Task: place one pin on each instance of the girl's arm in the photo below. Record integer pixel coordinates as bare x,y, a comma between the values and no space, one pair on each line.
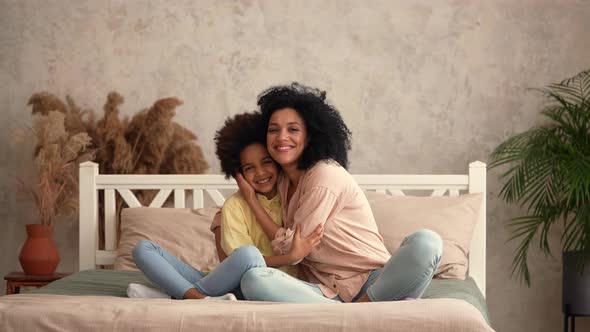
216,229
220,253
265,221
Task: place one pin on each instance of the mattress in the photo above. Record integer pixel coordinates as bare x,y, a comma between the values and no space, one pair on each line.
95,300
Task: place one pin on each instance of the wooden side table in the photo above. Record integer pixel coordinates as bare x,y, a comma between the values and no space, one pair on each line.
16,280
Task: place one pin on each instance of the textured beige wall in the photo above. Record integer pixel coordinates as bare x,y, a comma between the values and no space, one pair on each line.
426,86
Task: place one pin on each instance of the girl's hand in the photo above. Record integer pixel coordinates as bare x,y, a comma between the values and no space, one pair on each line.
245,188
301,247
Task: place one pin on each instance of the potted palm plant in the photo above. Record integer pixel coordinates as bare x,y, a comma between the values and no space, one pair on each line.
548,173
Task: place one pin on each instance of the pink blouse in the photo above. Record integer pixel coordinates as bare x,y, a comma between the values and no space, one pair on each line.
351,246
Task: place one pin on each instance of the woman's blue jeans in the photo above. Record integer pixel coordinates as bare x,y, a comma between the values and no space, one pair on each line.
176,277
405,275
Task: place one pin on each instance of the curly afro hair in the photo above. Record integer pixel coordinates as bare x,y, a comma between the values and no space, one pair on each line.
235,135
328,135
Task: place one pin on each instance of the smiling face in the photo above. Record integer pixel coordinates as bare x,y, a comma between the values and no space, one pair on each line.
286,137
259,170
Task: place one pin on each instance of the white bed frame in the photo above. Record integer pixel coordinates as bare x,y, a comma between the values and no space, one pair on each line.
91,182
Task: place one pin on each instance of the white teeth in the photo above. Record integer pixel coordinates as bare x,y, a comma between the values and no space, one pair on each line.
283,148
263,181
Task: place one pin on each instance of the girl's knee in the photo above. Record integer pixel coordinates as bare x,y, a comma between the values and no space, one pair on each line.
250,253
141,247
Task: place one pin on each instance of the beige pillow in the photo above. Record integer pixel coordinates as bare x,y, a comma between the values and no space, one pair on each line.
453,218
182,232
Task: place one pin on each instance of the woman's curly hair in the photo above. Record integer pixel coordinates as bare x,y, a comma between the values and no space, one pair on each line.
235,135
327,134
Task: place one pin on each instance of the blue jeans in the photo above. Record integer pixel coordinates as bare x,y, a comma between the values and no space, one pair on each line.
406,274
176,277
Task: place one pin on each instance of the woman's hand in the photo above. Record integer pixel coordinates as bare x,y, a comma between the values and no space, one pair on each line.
245,188
301,247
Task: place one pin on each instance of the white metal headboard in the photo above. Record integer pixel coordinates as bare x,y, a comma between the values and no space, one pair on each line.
91,182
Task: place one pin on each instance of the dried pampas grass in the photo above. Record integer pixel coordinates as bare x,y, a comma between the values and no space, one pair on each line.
58,151
150,143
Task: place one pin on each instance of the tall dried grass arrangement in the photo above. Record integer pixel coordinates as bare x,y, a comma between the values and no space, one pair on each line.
149,143
60,146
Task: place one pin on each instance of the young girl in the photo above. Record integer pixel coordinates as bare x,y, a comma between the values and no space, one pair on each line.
309,140
240,237
240,148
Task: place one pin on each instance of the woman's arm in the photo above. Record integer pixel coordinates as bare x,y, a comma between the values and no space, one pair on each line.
314,208
300,248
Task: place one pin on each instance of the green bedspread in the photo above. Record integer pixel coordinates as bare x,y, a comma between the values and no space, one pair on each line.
114,283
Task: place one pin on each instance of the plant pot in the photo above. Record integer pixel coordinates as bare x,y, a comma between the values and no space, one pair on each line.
39,255
576,285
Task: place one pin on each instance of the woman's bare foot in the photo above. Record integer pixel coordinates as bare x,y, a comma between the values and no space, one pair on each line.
364,298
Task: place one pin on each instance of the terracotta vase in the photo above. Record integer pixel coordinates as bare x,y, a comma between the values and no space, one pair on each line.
39,255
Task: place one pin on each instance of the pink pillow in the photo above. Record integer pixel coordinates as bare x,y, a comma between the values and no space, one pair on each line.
453,218
182,232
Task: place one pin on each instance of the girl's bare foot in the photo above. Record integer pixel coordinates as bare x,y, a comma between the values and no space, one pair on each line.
193,294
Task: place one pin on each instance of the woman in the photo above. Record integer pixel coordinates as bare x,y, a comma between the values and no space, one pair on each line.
309,140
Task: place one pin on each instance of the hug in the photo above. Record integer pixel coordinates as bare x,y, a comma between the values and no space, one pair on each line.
300,229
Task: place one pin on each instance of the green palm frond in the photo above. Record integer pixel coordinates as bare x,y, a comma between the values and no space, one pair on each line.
572,235
525,228
575,90
548,174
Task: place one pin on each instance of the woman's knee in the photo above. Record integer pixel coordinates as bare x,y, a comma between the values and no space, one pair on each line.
253,282
250,253
253,276
427,243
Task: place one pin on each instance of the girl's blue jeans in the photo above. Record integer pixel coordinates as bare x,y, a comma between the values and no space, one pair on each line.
176,277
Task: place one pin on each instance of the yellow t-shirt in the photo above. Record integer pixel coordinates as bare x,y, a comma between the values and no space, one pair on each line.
239,226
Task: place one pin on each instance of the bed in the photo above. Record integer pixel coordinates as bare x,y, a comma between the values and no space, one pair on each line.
94,299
